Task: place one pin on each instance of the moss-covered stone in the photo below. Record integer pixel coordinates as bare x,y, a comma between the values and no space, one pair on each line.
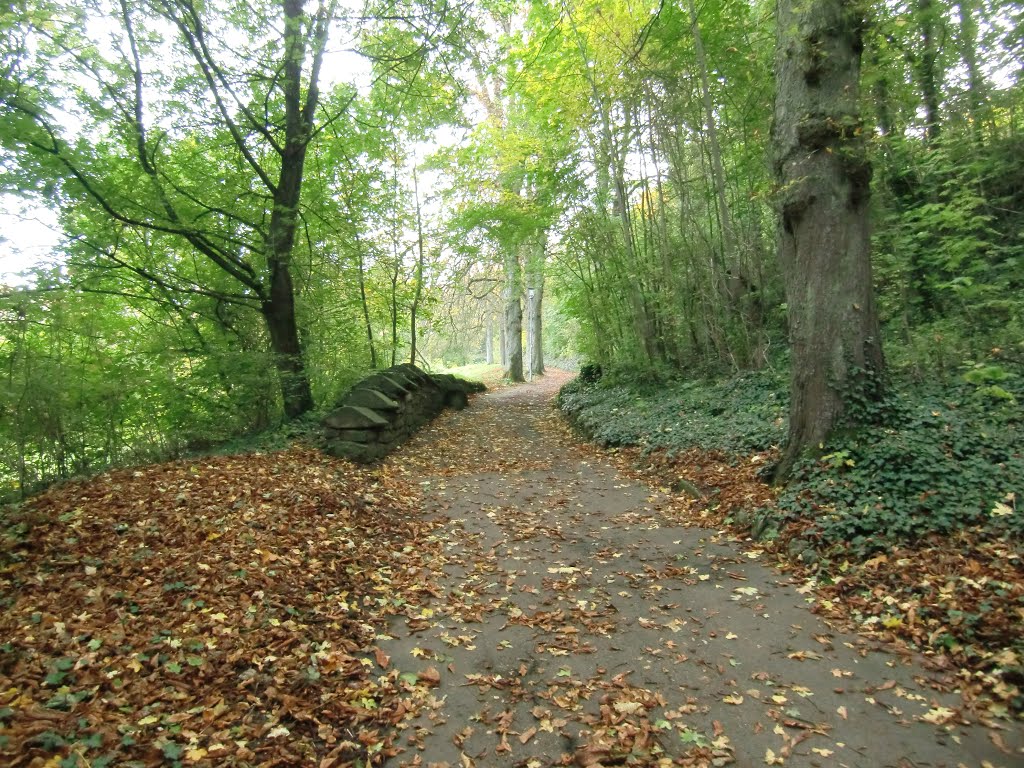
373,399
354,417
387,407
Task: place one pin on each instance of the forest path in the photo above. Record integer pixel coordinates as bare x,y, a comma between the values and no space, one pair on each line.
579,625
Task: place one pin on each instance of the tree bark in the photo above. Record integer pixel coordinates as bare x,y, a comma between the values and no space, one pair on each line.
420,259
279,307
823,175
503,342
535,287
929,21
977,88
513,317
536,355
279,314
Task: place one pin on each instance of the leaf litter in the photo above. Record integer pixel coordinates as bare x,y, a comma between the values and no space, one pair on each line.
240,611
219,611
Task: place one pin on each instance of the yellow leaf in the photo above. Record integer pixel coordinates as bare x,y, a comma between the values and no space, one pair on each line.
822,752
628,707
733,698
1001,510
194,755
938,715
771,759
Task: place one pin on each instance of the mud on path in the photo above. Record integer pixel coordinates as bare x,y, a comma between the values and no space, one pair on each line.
578,623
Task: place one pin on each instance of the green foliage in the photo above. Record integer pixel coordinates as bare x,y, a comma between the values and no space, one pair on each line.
946,457
152,340
590,374
738,415
930,459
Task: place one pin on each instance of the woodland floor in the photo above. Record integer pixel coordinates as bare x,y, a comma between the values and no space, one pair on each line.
495,594
584,620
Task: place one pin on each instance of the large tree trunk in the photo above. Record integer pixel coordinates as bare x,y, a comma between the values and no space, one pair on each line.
536,352
824,175
513,318
296,395
503,339
279,307
535,308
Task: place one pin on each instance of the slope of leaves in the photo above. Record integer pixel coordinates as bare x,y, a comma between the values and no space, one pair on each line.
217,611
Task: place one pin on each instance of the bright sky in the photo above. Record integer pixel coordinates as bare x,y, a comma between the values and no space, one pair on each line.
28,235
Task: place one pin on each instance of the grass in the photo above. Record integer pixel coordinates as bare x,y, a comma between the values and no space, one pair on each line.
491,375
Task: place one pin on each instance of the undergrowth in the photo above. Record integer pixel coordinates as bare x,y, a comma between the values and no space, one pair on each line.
943,456
738,415
911,527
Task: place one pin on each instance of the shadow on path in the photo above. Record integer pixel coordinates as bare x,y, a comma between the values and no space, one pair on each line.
577,626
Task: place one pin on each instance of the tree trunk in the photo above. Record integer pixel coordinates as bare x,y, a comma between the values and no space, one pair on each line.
977,93
366,307
503,342
513,318
489,340
536,326
535,285
823,172
279,313
279,307
929,21
420,258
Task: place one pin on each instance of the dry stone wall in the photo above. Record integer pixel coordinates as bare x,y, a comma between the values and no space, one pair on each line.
383,410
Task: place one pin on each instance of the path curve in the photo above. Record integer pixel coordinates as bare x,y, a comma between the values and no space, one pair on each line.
577,624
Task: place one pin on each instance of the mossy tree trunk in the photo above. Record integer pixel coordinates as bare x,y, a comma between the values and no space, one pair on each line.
823,175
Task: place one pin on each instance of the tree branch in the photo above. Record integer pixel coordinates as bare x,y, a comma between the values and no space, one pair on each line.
197,47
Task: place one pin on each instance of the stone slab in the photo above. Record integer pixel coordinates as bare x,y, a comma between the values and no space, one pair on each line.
365,397
354,417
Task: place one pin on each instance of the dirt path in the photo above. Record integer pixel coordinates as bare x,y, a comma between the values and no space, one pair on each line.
578,626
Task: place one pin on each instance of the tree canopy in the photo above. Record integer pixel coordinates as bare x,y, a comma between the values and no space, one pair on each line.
262,199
